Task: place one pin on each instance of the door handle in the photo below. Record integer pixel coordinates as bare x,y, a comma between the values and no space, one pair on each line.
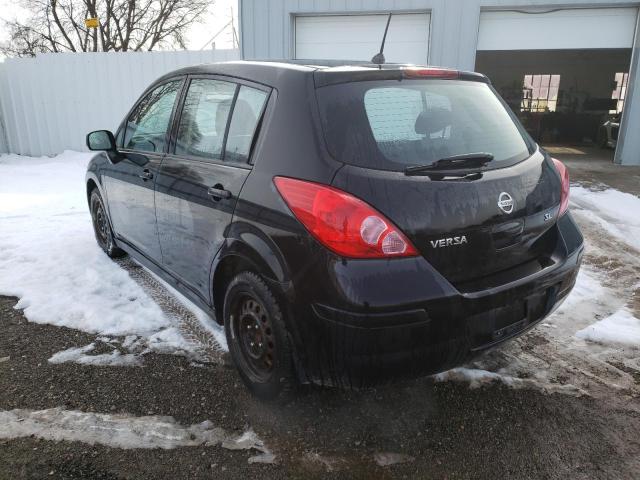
217,192
146,175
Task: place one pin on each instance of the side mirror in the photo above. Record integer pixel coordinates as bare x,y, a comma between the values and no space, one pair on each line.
101,140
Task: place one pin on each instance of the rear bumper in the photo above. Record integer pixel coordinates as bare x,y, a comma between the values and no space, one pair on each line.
346,347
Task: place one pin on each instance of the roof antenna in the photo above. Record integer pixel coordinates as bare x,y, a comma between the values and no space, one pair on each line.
378,58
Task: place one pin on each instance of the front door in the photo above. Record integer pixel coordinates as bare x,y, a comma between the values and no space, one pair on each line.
130,183
198,184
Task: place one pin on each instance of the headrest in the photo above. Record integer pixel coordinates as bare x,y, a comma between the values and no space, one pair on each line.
432,120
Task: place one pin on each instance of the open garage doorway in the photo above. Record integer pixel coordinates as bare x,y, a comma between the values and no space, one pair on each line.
564,72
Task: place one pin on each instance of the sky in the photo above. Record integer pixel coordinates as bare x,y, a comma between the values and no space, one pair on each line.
199,36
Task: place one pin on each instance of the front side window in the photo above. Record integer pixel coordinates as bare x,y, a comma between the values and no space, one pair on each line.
246,115
204,118
146,128
389,125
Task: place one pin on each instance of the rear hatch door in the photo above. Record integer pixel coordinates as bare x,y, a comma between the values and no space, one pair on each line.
474,223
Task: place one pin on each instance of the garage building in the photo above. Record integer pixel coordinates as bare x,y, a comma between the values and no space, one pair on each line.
569,69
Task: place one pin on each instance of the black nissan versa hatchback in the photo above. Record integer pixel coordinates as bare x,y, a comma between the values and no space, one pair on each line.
346,224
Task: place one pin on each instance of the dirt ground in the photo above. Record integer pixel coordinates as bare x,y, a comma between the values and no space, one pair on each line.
451,431
582,422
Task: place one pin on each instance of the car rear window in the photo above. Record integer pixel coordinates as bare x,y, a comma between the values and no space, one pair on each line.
389,125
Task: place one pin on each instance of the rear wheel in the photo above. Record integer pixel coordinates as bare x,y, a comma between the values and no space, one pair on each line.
101,227
258,340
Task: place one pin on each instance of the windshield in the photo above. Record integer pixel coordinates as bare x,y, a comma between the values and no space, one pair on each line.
389,125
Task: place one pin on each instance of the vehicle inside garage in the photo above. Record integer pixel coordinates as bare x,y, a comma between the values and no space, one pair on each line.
565,72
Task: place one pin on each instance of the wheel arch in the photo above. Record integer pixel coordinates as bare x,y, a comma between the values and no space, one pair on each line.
91,186
92,183
247,254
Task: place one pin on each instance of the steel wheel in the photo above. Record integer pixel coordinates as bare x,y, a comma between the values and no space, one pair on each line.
254,330
100,224
258,340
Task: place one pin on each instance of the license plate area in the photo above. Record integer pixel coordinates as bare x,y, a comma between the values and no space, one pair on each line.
498,324
509,330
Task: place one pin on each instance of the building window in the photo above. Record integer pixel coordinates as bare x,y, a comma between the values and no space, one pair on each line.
540,93
620,92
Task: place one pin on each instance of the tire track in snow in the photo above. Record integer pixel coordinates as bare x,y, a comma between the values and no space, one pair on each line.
208,349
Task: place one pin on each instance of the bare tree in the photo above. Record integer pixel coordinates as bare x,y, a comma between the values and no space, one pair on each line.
124,25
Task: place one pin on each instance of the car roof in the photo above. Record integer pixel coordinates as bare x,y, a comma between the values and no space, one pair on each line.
275,72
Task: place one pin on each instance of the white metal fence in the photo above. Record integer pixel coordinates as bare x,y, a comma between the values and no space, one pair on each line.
50,102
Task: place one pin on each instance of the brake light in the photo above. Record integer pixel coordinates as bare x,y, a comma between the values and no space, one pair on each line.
343,223
413,72
564,192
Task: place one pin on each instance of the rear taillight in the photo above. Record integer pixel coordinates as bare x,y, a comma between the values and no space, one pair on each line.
413,72
343,223
564,189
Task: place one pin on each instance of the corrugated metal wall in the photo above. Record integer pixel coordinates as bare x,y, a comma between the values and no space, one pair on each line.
3,137
49,103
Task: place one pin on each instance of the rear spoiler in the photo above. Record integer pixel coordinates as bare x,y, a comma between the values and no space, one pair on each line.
332,76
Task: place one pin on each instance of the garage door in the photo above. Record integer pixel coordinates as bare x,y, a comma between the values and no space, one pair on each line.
358,37
562,29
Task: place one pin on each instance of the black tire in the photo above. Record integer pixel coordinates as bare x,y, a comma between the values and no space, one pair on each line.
257,337
101,226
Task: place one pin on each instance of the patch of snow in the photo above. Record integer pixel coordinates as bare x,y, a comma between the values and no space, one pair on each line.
246,441
268,458
49,258
475,377
589,298
113,359
52,262
169,340
620,328
617,212
385,459
118,431
249,440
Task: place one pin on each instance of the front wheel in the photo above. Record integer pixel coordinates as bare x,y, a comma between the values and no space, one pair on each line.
257,337
101,227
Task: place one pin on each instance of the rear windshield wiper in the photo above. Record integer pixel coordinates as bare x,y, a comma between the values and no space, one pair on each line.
464,161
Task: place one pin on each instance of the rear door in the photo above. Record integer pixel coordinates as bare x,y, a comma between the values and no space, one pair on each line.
199,181
143,141
469,224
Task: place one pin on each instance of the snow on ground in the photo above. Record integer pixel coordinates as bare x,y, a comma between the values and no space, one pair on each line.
475,377
49,259
620,328
80,355
123,431
617,212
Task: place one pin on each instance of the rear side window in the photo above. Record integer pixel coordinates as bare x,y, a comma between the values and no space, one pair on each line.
244,121
389,125
146,128
204,118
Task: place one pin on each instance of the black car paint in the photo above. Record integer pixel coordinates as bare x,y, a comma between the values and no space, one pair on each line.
351,321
